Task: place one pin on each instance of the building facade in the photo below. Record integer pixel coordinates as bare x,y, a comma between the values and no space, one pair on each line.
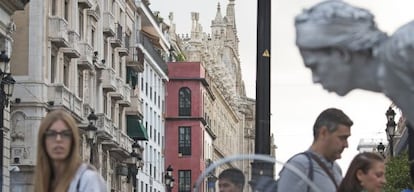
188,132
7,28
82,57
220,118
152,42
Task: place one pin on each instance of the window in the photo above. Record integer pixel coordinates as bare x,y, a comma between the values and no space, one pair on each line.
120,73
81,24
53,7
150,132
150,93
146,89
184,102
159,138
184,180
142,84
184,141
113,60
66,14
66,72
158,101
120,120
93,39
113,111
113,6
127,40
53,63
80,84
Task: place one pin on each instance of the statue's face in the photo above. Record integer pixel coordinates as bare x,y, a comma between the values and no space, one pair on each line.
330,67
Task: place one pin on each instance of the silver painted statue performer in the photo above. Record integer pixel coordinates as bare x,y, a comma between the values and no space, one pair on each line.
345,50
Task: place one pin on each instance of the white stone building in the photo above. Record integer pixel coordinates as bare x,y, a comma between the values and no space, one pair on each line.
7,28
79,56
154,43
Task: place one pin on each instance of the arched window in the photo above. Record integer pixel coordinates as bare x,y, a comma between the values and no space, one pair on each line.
184,102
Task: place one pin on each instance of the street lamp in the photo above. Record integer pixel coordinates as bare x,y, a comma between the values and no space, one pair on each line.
91,132
6,91
169,179
390,130
135,157
381,148
211,182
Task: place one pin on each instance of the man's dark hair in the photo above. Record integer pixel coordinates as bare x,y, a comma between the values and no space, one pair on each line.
234,175
331,118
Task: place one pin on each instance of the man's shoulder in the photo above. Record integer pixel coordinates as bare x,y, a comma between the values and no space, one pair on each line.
299,158
299,161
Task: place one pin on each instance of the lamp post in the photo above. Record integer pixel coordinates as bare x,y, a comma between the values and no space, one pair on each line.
390,130
381,148
135,157
6,91
169,179
91,132
211,183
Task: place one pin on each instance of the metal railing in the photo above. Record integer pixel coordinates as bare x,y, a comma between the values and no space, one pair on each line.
149,47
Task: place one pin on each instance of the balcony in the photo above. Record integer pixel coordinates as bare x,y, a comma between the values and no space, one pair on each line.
124,146
85,4
116,41
109,82
58,31
149,47
62,96
126,95
122,51
108,24
118,93
85,61
136,107
105,127
73,50
135,59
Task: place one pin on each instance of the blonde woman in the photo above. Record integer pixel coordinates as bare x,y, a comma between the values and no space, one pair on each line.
59,167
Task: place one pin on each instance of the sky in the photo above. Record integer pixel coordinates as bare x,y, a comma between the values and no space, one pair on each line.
295,100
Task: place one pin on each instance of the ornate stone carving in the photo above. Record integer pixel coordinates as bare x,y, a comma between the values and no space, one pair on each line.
345,50
18,132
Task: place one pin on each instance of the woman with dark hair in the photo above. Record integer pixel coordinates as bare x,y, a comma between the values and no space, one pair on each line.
59,167
366,173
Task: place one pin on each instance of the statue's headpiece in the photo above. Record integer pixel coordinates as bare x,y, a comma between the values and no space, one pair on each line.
337,24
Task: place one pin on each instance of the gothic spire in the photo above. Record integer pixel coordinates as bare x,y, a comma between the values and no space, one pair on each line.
230,13
218,18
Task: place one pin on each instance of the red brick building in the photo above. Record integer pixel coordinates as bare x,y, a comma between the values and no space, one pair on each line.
187,133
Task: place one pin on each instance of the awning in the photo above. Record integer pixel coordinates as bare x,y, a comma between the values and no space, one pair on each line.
135,129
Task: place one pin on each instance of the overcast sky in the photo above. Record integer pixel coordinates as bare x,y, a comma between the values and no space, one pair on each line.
296,101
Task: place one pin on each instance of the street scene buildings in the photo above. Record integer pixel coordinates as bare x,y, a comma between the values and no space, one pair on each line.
155,108
175,102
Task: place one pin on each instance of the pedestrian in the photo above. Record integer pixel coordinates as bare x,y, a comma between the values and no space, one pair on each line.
59,167
365,173
231,180
330,131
